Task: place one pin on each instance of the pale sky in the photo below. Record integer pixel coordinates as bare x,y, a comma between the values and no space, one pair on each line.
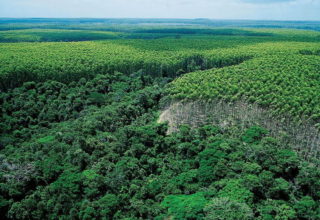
215,9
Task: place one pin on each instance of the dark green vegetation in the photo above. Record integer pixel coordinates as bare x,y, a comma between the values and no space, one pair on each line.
310,52
79,137
94,147
66,35
43,35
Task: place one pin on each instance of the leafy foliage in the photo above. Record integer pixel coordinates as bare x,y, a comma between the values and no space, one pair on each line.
79,140
110,160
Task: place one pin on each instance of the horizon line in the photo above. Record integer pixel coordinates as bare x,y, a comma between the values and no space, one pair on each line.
166,18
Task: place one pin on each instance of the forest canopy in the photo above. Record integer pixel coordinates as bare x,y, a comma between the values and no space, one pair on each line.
80,135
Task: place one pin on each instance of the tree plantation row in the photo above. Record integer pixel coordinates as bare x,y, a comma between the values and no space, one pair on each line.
67,62
284,82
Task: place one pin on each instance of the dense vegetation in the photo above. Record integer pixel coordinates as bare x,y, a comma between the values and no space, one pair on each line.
79,137
107,158
40,35
159,57
285,83
40,62
57,35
